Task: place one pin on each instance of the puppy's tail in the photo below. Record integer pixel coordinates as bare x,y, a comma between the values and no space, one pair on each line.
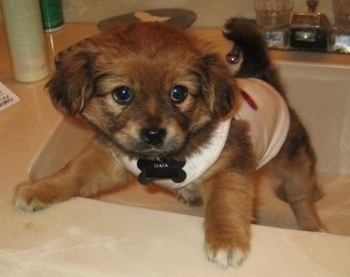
256,62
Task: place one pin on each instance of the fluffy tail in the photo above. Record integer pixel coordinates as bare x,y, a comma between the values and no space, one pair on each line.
256,61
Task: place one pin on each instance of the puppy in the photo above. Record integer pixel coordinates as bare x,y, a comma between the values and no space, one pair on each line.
166,109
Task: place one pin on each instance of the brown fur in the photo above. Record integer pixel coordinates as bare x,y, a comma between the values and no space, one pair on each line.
151,59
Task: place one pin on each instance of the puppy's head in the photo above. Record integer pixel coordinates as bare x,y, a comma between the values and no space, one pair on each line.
149,88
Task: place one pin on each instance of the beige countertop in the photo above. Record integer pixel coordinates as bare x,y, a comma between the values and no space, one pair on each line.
84,237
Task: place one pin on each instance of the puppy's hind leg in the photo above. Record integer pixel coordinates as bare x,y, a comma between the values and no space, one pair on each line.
299,188
295,166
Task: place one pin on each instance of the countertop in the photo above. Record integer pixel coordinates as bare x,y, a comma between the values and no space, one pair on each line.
85,237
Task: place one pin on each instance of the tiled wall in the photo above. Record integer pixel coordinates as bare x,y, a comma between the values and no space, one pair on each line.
209,12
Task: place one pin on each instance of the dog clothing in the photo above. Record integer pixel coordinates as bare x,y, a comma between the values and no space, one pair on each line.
267,114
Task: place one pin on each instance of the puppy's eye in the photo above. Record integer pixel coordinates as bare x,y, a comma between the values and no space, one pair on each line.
178,94
122,95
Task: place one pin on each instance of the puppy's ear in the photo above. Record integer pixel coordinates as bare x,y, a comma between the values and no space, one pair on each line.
71,86
220,84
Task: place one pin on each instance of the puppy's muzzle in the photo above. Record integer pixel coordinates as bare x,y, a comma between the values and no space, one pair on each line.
154,136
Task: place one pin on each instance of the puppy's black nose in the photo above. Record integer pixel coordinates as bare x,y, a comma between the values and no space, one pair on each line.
154,136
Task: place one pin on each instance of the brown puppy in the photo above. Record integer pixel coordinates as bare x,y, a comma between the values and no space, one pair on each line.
157,100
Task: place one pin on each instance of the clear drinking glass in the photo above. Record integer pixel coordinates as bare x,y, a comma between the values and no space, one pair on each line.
341,10
273,14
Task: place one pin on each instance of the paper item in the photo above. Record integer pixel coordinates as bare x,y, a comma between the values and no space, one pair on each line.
7,97
147,17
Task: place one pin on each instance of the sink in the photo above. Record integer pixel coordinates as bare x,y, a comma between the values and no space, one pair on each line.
320,92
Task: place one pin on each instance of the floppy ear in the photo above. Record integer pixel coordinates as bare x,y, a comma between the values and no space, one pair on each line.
221,85
70,86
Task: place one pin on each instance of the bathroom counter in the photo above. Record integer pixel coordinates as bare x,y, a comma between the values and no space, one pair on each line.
85,237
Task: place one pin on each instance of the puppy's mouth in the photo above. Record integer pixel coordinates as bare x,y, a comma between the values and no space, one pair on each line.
154,143
151,152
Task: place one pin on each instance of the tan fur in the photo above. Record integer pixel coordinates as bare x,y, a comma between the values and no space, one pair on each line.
151,59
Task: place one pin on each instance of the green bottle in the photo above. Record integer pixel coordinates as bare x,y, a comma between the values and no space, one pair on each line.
52,14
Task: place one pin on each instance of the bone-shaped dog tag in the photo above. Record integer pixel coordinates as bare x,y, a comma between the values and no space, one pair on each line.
157,170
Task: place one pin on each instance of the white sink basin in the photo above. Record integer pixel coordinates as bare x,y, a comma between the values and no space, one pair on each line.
320,92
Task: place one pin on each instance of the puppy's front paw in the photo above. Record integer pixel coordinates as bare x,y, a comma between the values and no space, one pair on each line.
227,253
28,198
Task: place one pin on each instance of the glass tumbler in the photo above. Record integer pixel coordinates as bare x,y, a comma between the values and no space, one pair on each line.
341,10
273,14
